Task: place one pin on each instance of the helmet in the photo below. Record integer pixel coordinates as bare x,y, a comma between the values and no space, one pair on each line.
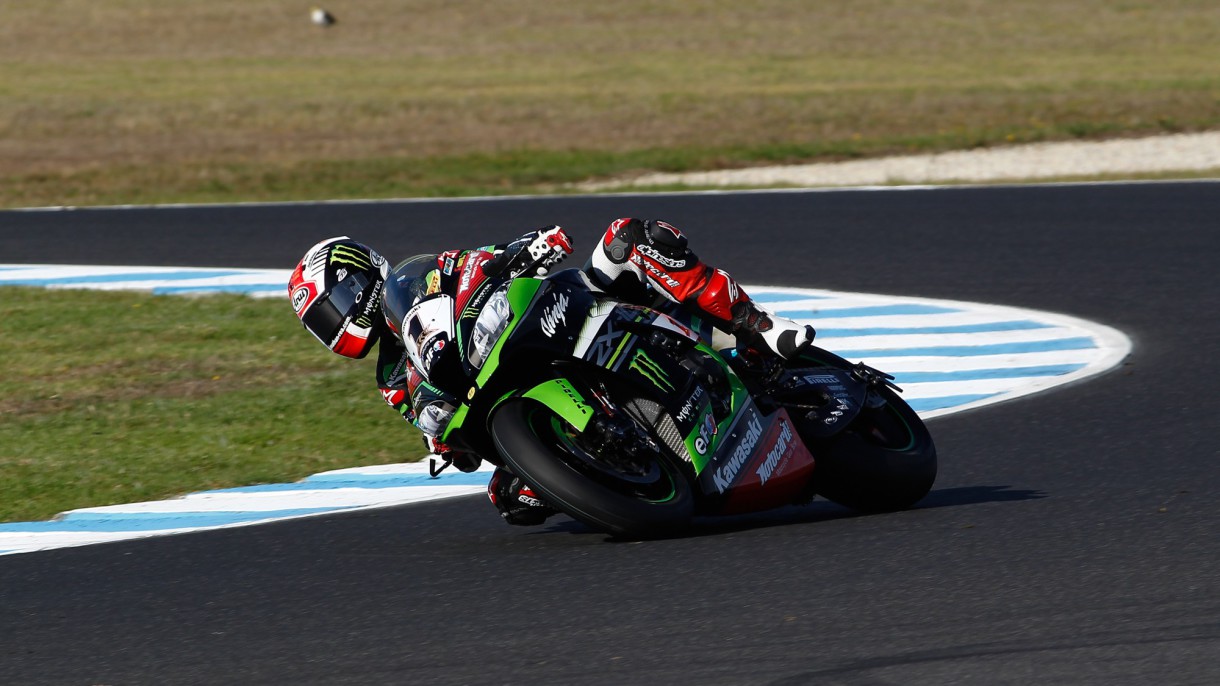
408,283
336,293
417,310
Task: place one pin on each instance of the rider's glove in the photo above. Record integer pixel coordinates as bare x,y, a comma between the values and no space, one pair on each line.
541,249
464,462
549,248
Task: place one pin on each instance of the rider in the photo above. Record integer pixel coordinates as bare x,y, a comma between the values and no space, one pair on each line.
340,293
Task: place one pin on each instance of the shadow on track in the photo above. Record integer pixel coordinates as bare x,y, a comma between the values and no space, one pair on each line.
817,511
973,495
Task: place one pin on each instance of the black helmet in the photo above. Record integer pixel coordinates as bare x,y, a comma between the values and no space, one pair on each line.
422,315
418,311
336,293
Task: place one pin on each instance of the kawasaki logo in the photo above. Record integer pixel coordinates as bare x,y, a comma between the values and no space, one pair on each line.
777,453
723,478
652,371
346,254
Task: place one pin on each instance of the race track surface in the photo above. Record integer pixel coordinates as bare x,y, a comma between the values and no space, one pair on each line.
1070,539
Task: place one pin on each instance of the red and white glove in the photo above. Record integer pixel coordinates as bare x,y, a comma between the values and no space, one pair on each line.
549,248
444,456
540,249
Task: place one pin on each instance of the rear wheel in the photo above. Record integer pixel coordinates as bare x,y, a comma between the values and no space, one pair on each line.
884,461
634,489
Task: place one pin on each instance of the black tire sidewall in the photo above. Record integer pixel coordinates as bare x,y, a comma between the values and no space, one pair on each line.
864,476
581,498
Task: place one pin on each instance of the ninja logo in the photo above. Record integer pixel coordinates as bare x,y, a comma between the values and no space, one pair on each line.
554,314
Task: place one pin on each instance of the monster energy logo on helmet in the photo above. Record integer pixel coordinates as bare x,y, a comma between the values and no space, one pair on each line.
346,254
652,371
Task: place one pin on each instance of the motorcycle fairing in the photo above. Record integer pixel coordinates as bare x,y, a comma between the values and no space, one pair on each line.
843,397
564,400
629,341
623,339
761,459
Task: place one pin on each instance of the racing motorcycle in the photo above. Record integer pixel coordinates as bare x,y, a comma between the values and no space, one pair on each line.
625,418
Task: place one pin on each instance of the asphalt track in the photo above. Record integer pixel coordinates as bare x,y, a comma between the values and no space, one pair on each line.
1070,539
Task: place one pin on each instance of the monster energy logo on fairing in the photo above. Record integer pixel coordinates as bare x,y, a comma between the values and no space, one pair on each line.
346,254
651,371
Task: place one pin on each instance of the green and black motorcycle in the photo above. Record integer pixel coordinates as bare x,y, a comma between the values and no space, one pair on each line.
626,419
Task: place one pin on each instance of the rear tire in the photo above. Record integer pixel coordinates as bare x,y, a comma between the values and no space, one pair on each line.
534,444
884,461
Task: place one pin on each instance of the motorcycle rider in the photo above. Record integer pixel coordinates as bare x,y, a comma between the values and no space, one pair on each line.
340,293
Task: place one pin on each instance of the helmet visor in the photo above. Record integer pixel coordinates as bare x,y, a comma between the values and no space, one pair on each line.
326,317
406,286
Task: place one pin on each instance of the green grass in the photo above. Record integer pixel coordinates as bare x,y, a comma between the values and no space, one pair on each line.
145,101
124,397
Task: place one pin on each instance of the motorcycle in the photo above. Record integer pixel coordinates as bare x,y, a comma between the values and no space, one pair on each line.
626,419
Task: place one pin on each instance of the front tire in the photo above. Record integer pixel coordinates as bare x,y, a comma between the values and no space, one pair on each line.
539,447
885,461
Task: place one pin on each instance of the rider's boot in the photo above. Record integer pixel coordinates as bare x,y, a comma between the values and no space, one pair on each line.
517,502
780,335
723,299
635,253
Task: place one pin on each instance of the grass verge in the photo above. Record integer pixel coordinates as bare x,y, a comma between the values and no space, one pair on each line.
138,101
506,173
123,397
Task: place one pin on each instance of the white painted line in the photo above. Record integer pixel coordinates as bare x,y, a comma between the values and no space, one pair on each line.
948,355
637,193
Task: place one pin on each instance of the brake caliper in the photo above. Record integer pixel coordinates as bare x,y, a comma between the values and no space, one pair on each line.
620,441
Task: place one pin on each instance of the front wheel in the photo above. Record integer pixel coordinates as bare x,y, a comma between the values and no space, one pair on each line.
884,461
642,493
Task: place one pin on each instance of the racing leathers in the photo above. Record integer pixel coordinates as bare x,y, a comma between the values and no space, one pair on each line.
636,254
635,260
